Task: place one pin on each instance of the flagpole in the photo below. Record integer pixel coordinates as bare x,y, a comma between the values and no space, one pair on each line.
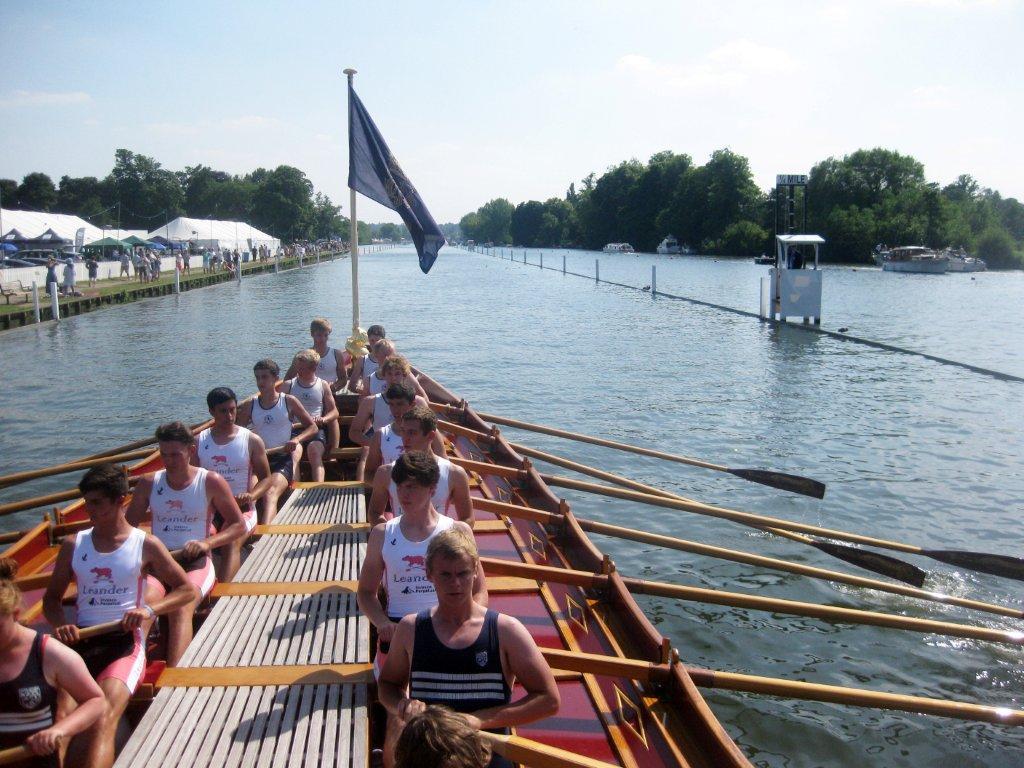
353,228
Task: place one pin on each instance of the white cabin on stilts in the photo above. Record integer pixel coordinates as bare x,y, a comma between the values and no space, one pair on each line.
793,287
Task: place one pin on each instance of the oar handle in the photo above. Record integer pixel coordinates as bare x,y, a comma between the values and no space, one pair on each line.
52,498
15,755
60,469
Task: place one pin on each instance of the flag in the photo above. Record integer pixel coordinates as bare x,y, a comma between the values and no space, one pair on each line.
374,172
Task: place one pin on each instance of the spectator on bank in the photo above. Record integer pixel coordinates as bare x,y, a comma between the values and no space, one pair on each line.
68,289
94,269
206,260
51,273
123,258
154,266
186,259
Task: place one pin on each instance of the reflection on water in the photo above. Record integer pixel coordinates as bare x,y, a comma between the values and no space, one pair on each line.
910,449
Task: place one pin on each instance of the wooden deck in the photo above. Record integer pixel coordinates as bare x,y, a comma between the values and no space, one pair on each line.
244,693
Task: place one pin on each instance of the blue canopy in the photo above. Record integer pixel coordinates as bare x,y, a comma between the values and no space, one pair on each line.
157,246
8,247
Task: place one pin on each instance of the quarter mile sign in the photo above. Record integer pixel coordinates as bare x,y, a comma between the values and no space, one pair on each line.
791,180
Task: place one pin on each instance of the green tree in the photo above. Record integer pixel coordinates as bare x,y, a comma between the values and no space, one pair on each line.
81,196
490,223
996,246
743,238
525,224
283,203
8,193
37,193
145,191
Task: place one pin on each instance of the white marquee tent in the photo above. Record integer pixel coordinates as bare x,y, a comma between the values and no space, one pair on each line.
32,225
214,234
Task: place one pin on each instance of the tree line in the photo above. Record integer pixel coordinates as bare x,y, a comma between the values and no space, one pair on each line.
868,197
139,193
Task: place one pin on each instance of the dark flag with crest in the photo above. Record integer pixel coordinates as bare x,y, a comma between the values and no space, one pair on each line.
374,172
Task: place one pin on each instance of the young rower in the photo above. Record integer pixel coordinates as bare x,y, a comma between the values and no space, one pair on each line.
462,655
181,499
318,400
109,563
392,369
374,413
395,551
365,364
418,431
236,454
388,442
440,738
34,669
270,415
330,368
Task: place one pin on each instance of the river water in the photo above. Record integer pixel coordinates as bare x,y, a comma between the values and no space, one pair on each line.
911,449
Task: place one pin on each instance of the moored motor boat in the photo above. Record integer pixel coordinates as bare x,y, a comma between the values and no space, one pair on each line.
618,248
671,246
959,261
913,258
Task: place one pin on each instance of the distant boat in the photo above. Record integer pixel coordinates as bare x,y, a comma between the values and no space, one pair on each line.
912,258
959,261
618,248
670,246
764,261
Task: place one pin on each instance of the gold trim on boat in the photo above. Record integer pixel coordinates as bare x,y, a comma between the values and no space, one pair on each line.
624,704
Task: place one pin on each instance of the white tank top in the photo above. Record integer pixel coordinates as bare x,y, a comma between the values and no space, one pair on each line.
230,461
369,366
377,385
272,424
327,368
391,444
311,397
180,516
109,583
381,413
405,570
442,498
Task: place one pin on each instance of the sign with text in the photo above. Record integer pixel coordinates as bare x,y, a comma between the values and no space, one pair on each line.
791,180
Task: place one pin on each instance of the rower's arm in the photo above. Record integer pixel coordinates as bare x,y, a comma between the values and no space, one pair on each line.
411,378
138,508
361,422
339,364
244,416
159,562
330,411
522,662
298,412
379,495
356,379
260,467
65,670
458,484
370,576
394,677
373,456
220,497
61,577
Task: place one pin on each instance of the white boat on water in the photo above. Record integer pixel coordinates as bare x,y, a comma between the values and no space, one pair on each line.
618,248
959,261
671,246
913,258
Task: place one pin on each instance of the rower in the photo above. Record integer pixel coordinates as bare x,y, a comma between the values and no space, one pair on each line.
393,369
396,549
363,365
462,655
109,562
34,669
236,454
440,738
181,499
374,413
387,442
330,368
270,415
318,400
418,433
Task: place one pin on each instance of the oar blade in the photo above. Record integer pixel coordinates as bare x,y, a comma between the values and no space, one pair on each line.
998,565
782,481
875,562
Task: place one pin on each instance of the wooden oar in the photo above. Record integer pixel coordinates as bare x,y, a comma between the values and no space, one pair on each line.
998,565
60,469
758,603
872,561
142,443
780,480
50,498
521,750
15,755
774,686
707,550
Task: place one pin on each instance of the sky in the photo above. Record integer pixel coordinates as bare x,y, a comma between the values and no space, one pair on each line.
479,100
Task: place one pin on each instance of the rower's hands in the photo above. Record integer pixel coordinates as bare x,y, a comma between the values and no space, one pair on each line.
319,421
194,549
67,634
291,445
386,632
474,721
133,619
409,708
45,742
244,500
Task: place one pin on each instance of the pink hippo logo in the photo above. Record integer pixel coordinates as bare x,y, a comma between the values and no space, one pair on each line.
219,459
414,561
175,504
102,574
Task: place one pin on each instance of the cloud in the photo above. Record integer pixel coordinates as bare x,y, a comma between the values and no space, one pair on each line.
959,4
727,67
44,99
